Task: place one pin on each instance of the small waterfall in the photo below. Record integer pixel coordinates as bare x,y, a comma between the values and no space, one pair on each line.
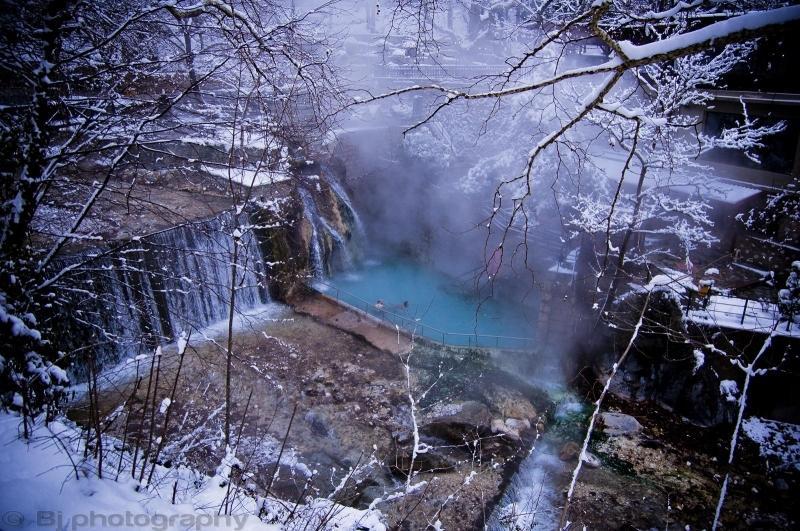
344,199
324,255
311,215
176,280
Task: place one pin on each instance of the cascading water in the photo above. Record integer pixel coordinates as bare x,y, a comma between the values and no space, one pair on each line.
344,199
167,283
310,213
322,231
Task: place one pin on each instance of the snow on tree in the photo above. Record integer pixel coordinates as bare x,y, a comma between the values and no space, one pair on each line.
562,112
92,88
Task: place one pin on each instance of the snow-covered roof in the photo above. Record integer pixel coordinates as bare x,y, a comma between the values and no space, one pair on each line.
710,185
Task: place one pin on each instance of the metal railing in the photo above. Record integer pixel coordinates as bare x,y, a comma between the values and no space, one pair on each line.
417,328
720,308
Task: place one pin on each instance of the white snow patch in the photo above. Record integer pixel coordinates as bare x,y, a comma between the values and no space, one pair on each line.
779,440
729,389
699,360
41,489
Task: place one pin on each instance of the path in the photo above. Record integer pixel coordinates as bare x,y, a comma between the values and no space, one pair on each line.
355,322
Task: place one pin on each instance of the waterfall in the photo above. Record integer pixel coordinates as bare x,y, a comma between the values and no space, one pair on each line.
174,281
324,255
310,213
344,199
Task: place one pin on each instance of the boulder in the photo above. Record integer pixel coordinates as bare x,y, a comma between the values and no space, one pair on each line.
591,461
510,403
512,428
518,424
619,424
458,422
499,426
434,455
569,450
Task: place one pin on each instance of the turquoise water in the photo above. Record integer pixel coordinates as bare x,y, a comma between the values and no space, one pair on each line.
434,305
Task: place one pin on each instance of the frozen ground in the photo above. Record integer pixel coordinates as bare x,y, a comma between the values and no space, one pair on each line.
46,483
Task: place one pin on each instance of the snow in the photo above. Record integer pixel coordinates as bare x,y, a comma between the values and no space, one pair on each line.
749,21
671,280
779,440
41,489
761,272
729,389
248,176
691,182
727,312
699,360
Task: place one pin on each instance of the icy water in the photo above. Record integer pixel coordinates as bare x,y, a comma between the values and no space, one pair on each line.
434,305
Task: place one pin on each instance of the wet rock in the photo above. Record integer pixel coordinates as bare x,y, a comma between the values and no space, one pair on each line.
619,424
569,451
511,403
368,495
436,455
318,422
459,422
591,461
500,426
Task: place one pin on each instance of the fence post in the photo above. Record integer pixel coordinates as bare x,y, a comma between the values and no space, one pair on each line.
744,311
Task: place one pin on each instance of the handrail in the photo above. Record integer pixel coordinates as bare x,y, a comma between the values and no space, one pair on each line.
370,308
755,308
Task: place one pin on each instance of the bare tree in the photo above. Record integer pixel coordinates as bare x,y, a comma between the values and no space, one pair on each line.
93,92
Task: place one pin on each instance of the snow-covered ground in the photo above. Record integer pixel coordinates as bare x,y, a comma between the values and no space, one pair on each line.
45,483
777,441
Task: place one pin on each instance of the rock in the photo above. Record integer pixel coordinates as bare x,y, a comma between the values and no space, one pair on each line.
439,455
591,461
403,436
619,424
569,451
518,424
500,426
319,423
458,422
511,404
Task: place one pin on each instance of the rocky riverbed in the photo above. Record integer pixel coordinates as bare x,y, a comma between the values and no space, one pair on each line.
333,410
